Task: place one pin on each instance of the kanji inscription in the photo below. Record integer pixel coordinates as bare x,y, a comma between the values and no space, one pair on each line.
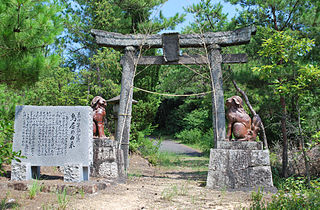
53,133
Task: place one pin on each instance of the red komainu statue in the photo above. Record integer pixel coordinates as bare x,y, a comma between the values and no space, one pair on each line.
98,105
239,122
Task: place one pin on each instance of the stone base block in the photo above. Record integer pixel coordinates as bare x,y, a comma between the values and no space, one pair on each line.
239,169
20,171
24,171
245,145
75,173
107,159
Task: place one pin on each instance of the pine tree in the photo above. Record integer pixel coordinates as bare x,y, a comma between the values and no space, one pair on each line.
27,29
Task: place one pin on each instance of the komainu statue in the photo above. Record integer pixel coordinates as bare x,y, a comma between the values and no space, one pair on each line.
239,122
98,105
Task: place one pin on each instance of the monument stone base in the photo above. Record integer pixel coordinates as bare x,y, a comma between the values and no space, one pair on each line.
24,171
240,166
20,171
75,173
107,159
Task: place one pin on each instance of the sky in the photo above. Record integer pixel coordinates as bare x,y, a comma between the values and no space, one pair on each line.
171,7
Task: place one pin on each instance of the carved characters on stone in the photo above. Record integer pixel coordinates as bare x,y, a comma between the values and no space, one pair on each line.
239,122
98,105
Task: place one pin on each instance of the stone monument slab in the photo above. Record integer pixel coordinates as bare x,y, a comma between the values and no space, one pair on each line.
53,136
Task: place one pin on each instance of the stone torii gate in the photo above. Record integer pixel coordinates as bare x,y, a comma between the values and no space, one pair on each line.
171,44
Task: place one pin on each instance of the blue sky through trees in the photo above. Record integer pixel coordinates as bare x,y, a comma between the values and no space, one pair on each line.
171,7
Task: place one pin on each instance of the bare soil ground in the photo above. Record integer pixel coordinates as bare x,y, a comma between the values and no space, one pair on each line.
148,187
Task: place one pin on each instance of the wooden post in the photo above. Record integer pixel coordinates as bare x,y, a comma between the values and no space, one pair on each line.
125,106
218,112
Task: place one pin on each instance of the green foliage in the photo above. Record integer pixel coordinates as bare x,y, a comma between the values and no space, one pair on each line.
169,193
143,116
284,52
8,101
190,136
3,202
291,75
307,200
208,17
197,118
257,202
57,87
195,136
27,28
294,195
206,142
147,147
63,199
34,189
105,77
293,184
7,155
279,14
316,137
299,185
5,205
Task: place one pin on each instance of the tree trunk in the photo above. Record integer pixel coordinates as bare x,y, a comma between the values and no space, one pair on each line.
284,136
301,142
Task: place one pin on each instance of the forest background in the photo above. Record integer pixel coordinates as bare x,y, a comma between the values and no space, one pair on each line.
48,57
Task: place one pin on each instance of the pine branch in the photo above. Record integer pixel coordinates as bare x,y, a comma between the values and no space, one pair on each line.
289,17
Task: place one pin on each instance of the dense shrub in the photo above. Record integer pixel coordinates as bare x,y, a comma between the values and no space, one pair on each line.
191,136
147,147
8,101
204,140
293,194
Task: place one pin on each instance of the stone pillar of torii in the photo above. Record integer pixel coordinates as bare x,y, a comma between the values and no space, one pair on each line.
171,44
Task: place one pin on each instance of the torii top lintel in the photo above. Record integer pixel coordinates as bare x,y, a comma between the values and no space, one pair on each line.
227,38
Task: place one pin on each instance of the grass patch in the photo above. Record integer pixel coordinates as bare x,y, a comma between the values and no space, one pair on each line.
169,193
136,174
192,145
63,199
34,189
7,204
175,160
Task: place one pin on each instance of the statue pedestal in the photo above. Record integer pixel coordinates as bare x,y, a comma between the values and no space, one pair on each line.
107,159
240,166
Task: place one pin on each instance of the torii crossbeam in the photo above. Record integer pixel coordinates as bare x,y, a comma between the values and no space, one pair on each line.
171,44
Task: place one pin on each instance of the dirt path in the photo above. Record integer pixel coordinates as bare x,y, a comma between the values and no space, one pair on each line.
178,184
172,146
164,188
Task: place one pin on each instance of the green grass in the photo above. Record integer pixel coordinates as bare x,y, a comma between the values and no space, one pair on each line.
34,189
135,174
174,160
193,146
174,190
4,204
169,193
63,199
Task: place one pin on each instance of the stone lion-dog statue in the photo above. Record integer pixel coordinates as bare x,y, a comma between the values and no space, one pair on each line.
239,122
98,105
